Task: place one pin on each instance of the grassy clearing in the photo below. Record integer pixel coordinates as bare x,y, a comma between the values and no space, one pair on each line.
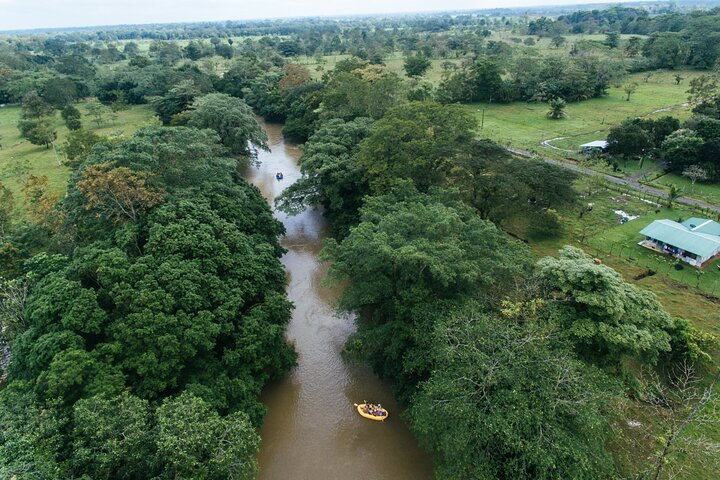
19,158
601,234
525,125
621,242
703,191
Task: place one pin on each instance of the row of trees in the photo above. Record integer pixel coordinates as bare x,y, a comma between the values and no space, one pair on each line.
28,63
142,336
439,35
530,79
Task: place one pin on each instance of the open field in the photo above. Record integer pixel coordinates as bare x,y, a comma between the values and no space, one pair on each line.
709,192
19,158
601,234
525,125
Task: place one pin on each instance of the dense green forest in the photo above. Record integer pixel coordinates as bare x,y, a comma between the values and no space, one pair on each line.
142,300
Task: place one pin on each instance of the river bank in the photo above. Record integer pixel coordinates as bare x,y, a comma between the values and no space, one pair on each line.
312,430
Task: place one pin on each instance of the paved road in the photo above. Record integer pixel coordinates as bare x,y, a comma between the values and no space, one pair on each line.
631,182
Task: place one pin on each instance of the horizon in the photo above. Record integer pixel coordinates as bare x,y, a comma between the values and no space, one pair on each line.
21,15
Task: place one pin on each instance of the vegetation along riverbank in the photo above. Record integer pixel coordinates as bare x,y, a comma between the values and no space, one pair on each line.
471,187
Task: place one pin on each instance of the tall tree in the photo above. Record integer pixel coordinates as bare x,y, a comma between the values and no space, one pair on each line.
33,106
411,254
416,65
629,140
60,91
71,116
195,442
232,120
681,148
42,203
38,131
113,437
175,100
504,402
294,76
78,145
416,141
369,91
117,193
605,318
331,176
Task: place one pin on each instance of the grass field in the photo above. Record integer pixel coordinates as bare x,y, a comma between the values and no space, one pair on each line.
525,125
19,158
709,192
601,234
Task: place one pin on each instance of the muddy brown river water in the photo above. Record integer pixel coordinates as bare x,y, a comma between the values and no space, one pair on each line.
312,431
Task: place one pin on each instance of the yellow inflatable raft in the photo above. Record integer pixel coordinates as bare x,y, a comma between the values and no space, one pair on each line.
361,411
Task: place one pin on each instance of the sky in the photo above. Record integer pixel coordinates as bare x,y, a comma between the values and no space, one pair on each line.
26,14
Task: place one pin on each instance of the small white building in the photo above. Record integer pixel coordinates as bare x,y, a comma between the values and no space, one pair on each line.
595,145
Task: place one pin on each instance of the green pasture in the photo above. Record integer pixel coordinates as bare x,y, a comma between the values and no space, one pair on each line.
621,241
19,158
709,192
525,125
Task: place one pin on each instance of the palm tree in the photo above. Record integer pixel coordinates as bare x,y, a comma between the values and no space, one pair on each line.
673,195
557,109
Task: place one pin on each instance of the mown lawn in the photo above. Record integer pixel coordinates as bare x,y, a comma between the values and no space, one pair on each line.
525,125
621,242
19,158
601,234
709,192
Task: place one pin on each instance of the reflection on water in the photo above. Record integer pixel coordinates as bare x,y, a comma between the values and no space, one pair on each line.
312,430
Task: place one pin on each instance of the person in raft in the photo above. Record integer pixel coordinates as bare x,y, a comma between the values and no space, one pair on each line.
375,411
279,175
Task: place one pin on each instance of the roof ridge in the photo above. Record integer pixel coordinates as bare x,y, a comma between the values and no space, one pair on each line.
701,225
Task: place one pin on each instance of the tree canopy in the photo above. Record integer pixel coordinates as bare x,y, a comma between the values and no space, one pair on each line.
410,253
331,176
505,401
605,317
170,313
231,119
416,141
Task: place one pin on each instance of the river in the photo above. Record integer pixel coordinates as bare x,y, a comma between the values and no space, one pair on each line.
312,431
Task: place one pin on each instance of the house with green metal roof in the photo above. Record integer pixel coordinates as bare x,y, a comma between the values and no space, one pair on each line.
695,241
